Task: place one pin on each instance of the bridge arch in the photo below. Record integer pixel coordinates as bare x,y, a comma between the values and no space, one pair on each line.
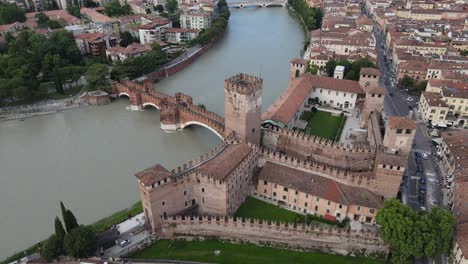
189,123
150,104
124,94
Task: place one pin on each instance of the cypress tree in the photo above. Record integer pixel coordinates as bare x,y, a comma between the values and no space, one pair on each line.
71,221
59,230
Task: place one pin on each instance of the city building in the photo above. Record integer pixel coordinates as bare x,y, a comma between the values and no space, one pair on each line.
196,19
153,31
94,44
119,53
180,35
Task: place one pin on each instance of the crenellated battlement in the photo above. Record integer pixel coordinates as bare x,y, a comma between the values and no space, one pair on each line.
357,179
301,236
177,111
308,138
243,83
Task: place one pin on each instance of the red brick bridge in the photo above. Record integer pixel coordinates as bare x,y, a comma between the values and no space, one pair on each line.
176,112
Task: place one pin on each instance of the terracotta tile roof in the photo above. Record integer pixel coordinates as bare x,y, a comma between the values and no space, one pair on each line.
133,48
402,122
299,61
96,16
448,84
226,161
455,93
434,99
152,175
286,106
370,71
319,186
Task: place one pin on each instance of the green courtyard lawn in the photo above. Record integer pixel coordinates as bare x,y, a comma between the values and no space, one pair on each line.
245,253
255,208
324,124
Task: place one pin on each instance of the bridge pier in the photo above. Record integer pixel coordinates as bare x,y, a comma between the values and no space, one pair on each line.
136,107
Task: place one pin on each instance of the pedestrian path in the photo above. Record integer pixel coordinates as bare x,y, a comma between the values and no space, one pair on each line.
421,151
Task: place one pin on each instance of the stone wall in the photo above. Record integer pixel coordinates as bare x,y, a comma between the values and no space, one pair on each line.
333,240
308,147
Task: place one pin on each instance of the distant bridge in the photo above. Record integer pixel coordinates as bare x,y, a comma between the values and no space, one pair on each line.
176,112
258,3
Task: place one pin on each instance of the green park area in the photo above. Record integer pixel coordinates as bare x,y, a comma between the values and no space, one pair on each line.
324,124
204,251
254,208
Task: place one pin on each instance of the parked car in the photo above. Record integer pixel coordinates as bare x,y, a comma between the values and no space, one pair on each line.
419,169
425,156
423,208
409,99
422,181
422,191
434,202
124,242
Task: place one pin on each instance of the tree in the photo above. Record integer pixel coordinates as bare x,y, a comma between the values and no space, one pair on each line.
68,218
54,24
74,11
42,20
159,8
52,248
311,16
80,242
114,8
464,52
10,13
171,6
59,230
126,39
406,82
96,75
415,234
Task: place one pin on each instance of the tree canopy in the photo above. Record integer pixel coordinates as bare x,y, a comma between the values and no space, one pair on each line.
32,58
312,16
352,69
126,39
96,76
10,13
52,248
172,6
74,11
114,8
417,234
80,242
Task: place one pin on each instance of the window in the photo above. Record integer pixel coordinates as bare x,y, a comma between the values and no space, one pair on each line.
337,93
203,190
399,131
344,94
295,201
328,211
328,203
274,194
368,219
285,189
359,208
318,199
185,203
352,95
408,131
316,208
198,180
340,206
296,192
163,203
306,195
433,111
275,186
203,200
305,204
264,182
264,191
284,197
321,90
329,91
371,210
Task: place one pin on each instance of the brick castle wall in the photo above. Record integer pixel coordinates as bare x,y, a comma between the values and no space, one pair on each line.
333,240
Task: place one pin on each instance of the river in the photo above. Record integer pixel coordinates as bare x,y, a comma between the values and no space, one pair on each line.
86,157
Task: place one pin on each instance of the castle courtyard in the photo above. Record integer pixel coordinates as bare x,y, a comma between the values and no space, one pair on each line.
324,124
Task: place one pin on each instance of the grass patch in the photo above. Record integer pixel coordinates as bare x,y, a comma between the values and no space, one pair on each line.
116,218
245,253
323,124
255,208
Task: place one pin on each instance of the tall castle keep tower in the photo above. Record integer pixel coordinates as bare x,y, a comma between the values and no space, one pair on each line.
399,134
243,106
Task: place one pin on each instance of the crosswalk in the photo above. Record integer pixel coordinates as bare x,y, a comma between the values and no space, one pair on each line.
421,151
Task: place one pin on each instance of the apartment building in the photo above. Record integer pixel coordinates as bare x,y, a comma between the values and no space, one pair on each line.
196,19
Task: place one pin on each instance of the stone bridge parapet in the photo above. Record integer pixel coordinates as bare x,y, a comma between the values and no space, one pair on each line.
176,112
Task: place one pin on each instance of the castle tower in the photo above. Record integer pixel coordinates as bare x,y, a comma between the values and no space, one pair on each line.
297,67
399,134
373,102
243,106
369,77
389,169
